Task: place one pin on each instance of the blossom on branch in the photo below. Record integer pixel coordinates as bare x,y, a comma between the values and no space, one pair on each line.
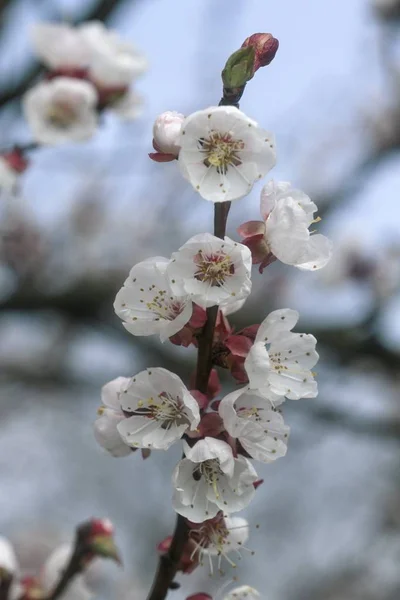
148,304
159,409
284,233
211,271
280,360
61,110
223,153
110,415
210,479
218,537
251,418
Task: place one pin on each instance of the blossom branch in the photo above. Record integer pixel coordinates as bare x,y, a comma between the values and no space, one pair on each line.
168,563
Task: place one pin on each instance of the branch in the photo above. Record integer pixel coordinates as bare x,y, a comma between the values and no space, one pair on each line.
168,564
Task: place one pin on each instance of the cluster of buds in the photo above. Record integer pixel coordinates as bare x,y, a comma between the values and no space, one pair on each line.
63,570
89,69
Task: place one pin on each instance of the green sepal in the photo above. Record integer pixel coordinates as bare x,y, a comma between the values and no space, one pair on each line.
239,68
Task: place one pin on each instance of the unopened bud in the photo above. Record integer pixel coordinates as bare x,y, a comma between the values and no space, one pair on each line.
166,132
199,597
16,160
265,47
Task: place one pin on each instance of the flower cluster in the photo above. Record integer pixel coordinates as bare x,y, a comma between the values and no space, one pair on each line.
88,69
222,153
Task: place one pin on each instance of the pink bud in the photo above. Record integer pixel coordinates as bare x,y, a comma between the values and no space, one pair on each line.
199,597
166,132
101,527
265,47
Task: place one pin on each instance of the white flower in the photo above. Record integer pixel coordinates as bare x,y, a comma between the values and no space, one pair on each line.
210,270
60,45
166,132
8,560
251,418
61,110
288,214
147,304
162,410
210,479
113,62
284,368
243,592
53,569
223,153
110,415
219,537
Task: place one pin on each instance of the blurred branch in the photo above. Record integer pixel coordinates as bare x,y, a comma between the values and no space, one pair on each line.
100,11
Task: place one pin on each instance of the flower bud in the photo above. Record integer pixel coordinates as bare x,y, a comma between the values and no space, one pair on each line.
199,597
166,131
96,538
265,47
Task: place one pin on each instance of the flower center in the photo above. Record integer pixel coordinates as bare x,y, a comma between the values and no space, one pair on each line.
165,307
276,360
221,151
61,114
164,408
213,268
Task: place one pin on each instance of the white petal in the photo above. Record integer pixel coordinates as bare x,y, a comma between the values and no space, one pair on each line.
276,323
243,592
286,231
8,559
129,107
110,392
107,435
52,570
258,366
190,496
317,253
211,448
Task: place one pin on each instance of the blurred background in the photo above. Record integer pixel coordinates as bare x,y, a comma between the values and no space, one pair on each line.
329,513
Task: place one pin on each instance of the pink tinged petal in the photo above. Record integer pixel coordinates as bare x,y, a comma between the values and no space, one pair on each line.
161,158
201,399
250,331
198,318
318,253
211,425
239,345
276,323
251,228
259,249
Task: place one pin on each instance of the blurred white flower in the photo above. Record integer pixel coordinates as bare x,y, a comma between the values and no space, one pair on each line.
251,418
159,410
211,271
61,110
284,233
283,368
210,479
53,569
113,62
60,45
128,107
223,153
147,304
110,415
166,132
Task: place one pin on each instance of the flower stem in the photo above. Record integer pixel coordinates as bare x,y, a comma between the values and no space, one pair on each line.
168,563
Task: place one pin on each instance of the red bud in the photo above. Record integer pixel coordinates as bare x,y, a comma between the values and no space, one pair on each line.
265,47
